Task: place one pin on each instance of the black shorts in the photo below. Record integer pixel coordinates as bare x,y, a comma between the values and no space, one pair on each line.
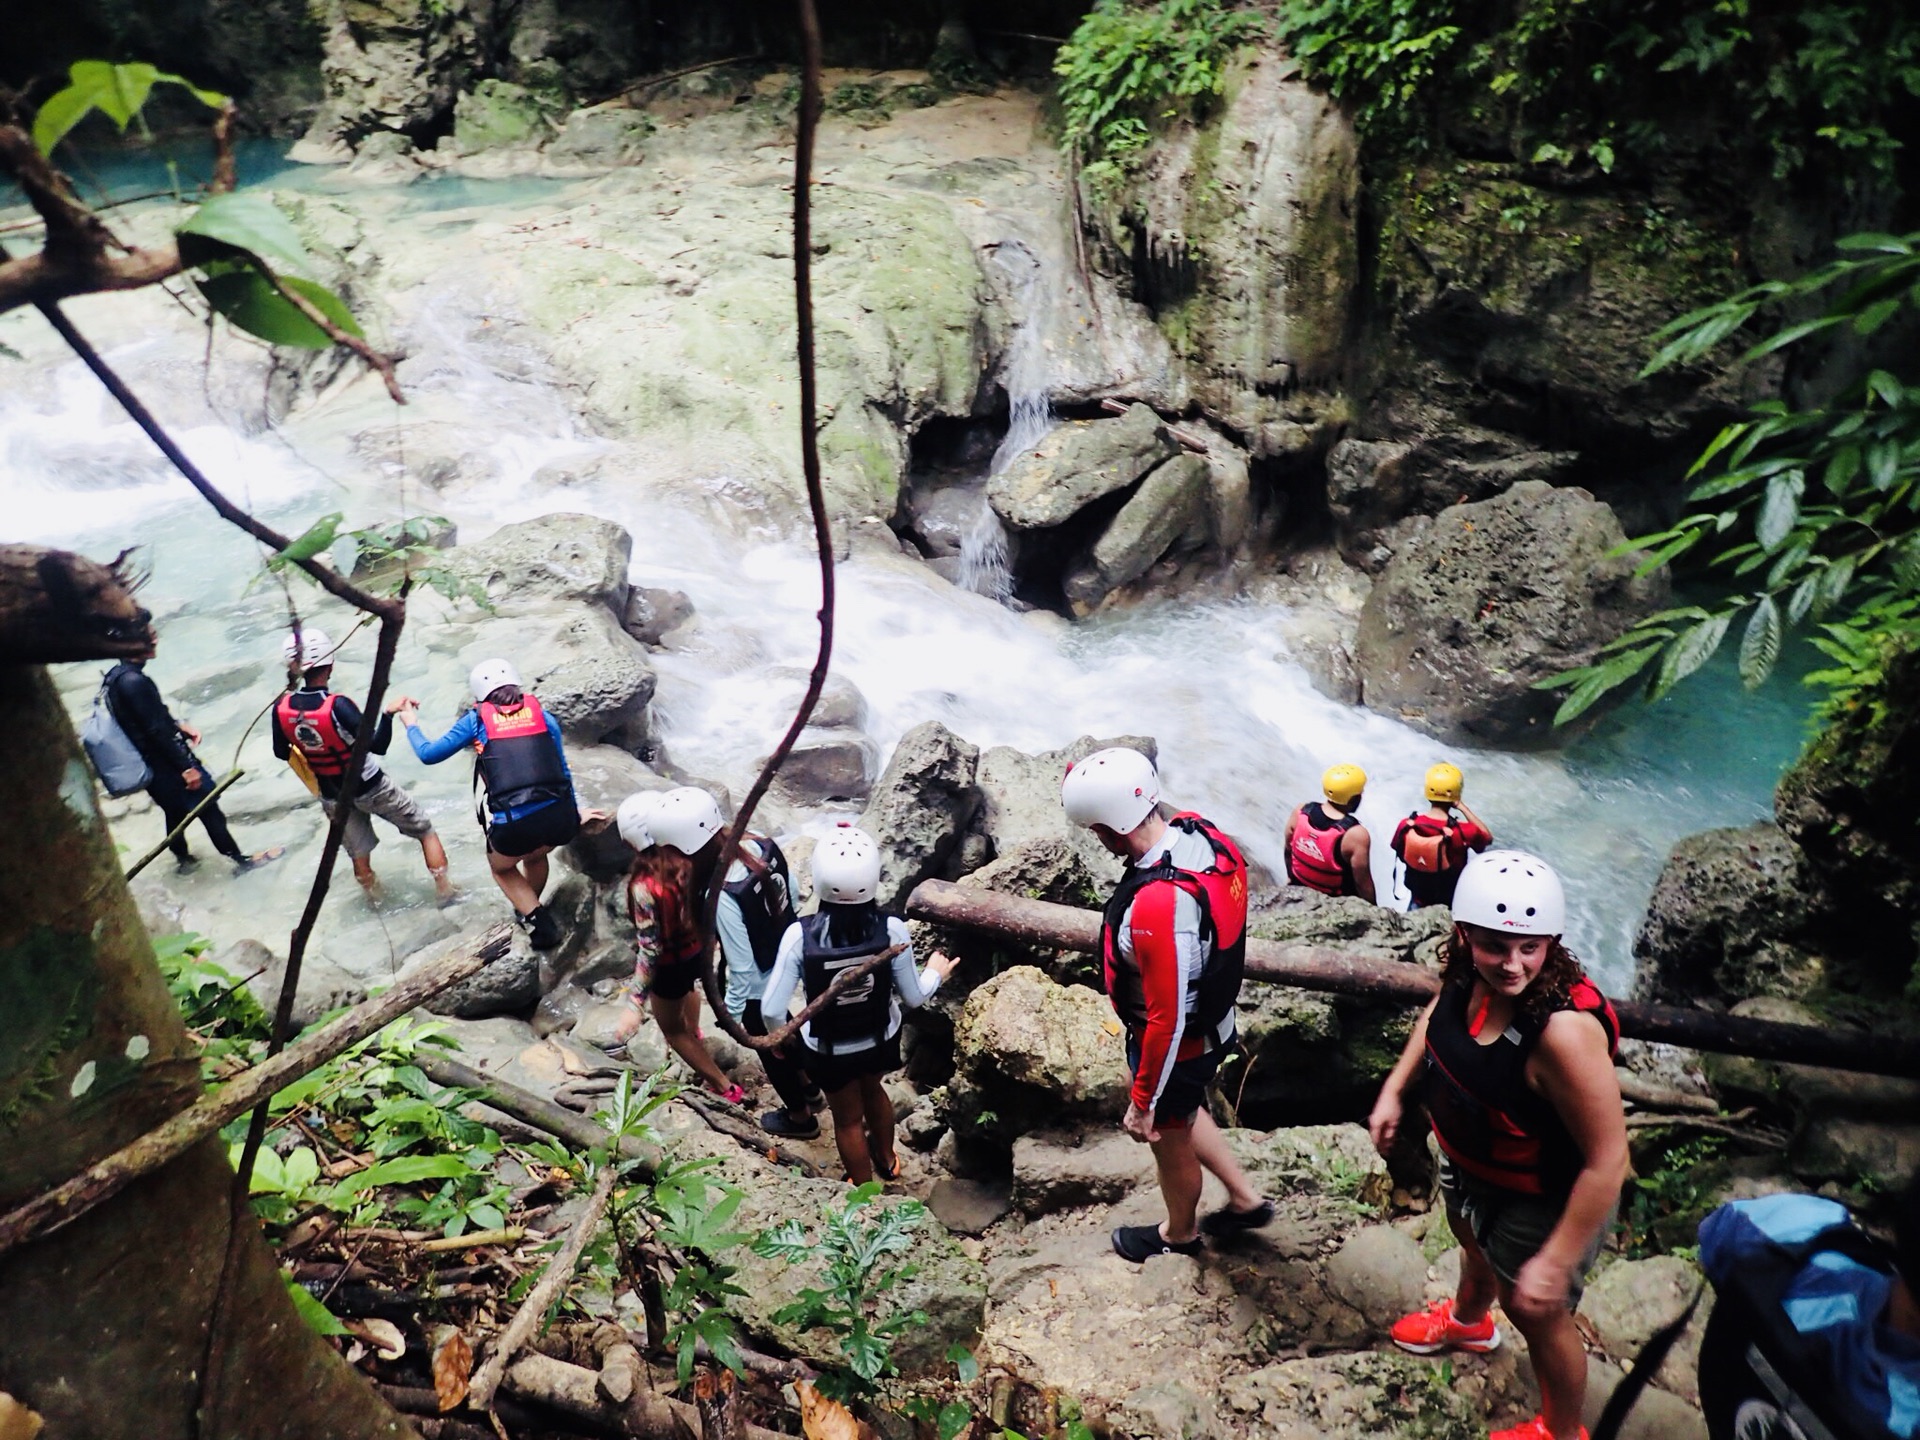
553,824
836,1072
1186,1088
674,982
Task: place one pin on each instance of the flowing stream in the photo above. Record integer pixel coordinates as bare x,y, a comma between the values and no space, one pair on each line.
1243,735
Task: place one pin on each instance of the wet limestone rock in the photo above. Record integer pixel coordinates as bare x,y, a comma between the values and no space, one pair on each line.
1049,869
920,808
1881,1152
825,766
1656,1415
1735,914
393,66
1380,1272
1631,1299
1020,798
509,986
1075,464
555,559
496,114
603,776
1053,1172
947,1284
602,138
1381,1394
1371,484
1489,598
1028,1050
1170,503
593,677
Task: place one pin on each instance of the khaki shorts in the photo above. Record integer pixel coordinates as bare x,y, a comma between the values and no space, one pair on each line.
1510,1228
380,796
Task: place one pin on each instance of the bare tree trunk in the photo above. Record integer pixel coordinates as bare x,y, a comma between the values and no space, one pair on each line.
104,1325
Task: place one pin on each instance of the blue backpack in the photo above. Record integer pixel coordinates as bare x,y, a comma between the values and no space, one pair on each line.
116,759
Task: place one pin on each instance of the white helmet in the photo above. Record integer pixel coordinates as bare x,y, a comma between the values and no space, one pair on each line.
489,675
315,648
1512,891
1117,788
635,818
846,866
685,819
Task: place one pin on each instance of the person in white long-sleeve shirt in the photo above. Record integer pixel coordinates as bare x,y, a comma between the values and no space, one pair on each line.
853,1043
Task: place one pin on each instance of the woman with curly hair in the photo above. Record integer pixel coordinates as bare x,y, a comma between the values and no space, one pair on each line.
1514,1060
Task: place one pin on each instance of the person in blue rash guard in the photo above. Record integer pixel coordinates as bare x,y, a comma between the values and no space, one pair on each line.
523,765
1815,1330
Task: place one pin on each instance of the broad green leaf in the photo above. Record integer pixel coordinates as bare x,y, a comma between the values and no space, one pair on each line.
302,1168
406,1170
125,91
1610,676
1801,600
1874,240
323,1320
316,537
1665,553
1780,510
247,222
1687,654
63,110
1887,388
1841,469
1832,583
1883,464
1792,333
953,1418
1876,315
964,1363
1760,645
249,300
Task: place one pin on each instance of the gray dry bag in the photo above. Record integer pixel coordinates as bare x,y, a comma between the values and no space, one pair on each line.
120,765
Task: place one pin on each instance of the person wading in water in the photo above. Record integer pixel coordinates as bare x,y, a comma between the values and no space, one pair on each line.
1514,1060
1328,849
1173,945
853,1044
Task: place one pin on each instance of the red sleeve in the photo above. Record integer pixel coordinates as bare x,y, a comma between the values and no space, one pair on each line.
1474,837
1156,954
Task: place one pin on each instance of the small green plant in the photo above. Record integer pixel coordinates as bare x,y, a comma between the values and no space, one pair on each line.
1664,1205
216,1005
857,1249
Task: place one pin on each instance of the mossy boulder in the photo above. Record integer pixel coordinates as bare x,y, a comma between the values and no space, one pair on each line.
498,113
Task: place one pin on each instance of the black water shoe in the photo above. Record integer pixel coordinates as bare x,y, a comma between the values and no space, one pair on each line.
543,931
782,1123
1232,1222
1140,1243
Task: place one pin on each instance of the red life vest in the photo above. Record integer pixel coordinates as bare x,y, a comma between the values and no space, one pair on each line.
315,735
1221,891
519,761
1492,1125
1313,852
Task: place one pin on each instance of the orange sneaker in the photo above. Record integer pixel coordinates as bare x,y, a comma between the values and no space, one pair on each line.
1429,1331
1534,1429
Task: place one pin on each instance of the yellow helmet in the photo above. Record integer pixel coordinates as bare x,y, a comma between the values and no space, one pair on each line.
1343,784
1444,783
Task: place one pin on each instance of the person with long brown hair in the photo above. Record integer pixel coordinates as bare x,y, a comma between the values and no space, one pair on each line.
677,840
1514,1061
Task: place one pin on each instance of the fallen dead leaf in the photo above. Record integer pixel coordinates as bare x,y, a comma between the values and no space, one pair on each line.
452,1367
383,1335
824,1419
17,1422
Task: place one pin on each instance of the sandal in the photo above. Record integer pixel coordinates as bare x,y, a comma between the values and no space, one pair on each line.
1140,1243
888,1169
254,862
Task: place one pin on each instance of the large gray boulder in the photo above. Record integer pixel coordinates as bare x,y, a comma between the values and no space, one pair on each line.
1383,1395
1735,914
1373,483
921,807
1020,798
600,139
1628,1301
1488,598
1170,503
555,559
1029,1051
826,765
1075,464
603,776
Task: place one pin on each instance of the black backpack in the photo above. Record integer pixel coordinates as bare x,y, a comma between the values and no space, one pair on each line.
766,903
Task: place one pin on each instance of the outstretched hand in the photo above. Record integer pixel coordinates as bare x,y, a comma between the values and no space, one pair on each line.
943,964
402,702
594,821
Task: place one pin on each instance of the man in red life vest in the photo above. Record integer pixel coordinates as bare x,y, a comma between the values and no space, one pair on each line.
320,727
1433,844
1173,943
1328,849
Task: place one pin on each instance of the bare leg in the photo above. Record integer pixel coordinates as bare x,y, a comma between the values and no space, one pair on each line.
1210,1149
878,1107
506,874
363,872
850,1132
676,1028
1478,1286
534,867
435,854
1559,1363
1180,1179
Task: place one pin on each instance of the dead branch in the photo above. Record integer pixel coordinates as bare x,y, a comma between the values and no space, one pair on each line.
553,1281
573,1390
1648,1096
49,1212
1323,967
56,605
185,820
1184,437
716,1398
808,121
525,1106
357,344
728,1120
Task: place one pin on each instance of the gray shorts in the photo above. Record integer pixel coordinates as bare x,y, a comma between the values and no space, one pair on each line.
1511,1228
380,796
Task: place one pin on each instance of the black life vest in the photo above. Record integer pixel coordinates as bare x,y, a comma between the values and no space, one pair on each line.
519,761
1313,851
865,1008
766,904
315,734
1756,1363
1494,1127
1221,891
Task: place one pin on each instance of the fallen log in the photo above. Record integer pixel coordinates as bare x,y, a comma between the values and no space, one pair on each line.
67,1202
573,1391
531,1109
1320,967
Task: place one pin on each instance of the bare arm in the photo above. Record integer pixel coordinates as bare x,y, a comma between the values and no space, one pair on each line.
1357,846
1573,1071
1384,1123
1467,811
